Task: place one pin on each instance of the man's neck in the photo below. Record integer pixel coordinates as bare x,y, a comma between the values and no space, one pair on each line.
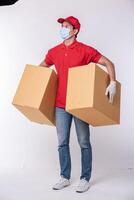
69,41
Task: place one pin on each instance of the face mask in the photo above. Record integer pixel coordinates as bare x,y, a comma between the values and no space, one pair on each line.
64,33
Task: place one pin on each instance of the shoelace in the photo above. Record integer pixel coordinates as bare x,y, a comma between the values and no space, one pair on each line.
61,179
82,182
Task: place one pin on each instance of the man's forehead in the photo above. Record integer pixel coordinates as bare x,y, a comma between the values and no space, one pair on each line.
66,23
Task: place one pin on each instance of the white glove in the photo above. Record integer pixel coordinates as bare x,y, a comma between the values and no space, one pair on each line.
111,88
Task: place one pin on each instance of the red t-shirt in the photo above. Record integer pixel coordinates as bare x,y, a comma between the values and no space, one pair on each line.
64,57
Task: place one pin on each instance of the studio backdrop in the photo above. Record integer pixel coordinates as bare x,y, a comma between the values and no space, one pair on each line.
28,28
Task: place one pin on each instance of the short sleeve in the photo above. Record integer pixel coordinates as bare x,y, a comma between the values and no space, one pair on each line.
48,58
92,55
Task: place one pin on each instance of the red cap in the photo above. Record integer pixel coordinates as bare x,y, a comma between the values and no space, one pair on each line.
72,20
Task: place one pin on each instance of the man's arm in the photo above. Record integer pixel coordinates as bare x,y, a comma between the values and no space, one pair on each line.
44,64
109,65
111,88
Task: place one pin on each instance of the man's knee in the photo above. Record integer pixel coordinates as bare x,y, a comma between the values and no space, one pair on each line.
84,144
63,143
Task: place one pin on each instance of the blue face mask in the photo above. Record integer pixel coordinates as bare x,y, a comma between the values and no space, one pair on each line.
64,33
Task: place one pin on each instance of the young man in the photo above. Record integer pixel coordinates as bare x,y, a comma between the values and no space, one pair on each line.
71,53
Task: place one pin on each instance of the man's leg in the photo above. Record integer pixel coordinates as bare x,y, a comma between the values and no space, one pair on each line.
83,136
63,125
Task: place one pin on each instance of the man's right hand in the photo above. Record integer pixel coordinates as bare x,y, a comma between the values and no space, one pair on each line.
43,63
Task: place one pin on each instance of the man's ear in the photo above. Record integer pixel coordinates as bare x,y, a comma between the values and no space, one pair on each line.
76,31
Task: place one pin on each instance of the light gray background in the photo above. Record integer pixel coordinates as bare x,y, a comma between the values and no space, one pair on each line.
27,30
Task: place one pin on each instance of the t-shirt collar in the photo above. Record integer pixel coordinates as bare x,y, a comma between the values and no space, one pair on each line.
75,42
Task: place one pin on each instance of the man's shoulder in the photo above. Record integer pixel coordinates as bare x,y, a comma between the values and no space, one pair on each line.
55,48
84,45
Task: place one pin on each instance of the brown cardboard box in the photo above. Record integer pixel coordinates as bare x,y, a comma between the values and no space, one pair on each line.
35,95
86,97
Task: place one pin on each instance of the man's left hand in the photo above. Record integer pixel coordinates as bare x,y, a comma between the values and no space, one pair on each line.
111,89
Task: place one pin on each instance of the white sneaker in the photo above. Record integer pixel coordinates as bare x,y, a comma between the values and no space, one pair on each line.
82,186
63,182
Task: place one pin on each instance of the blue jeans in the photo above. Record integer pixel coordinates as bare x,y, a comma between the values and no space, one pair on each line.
63,125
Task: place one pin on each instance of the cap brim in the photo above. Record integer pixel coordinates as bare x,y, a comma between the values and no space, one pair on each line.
61,20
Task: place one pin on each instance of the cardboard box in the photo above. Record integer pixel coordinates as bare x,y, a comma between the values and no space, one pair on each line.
86,97
35,95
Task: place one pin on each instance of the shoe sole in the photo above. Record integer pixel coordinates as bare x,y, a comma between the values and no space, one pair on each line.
82,191
60,188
